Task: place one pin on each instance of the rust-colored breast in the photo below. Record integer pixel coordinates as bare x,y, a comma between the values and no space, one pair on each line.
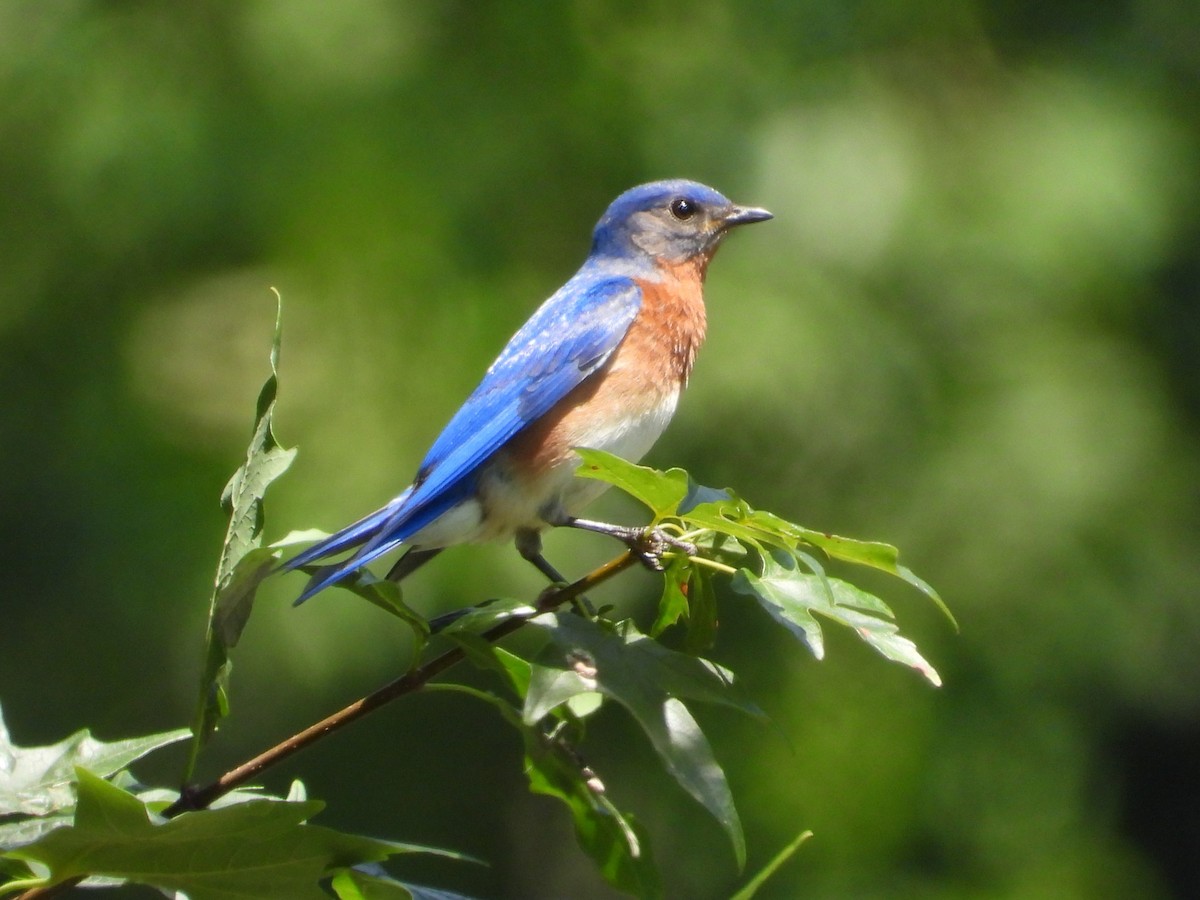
663,340
640,382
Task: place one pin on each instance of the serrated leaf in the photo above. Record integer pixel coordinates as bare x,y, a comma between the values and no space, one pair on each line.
37,781
243,562
651,682
661,491
875,554
794,599
257,850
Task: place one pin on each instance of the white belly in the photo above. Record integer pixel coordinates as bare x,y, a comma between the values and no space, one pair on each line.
514,502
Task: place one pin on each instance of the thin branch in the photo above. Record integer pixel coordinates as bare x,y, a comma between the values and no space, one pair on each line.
410,682
407,683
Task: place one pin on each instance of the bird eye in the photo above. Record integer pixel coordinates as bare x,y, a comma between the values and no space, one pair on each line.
682,208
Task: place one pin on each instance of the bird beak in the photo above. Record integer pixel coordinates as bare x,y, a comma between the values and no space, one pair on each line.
744,215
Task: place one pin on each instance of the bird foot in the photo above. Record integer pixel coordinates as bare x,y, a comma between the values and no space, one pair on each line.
651,544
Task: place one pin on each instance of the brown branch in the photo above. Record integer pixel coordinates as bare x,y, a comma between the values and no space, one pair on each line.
408,683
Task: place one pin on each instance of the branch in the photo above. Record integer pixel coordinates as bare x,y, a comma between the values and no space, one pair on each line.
410,682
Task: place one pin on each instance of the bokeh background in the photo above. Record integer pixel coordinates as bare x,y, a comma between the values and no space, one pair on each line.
972,331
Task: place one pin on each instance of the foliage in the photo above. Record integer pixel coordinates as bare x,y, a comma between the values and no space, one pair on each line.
244,563
73,812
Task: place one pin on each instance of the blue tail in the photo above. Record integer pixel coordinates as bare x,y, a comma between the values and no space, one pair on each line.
376,535
350,536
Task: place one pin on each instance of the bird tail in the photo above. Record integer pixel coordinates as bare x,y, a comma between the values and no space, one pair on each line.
350,536
376,535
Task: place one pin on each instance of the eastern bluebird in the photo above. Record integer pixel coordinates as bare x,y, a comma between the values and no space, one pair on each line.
600,364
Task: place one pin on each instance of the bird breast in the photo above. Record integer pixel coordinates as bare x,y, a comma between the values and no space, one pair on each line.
622,408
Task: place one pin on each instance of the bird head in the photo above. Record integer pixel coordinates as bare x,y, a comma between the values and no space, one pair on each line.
669,222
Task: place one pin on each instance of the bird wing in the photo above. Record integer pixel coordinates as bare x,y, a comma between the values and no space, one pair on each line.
567,339
564,342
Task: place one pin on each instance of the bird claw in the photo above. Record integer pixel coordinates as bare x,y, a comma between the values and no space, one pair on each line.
651,544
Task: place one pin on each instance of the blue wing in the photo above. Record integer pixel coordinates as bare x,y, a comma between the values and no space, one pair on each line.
569,337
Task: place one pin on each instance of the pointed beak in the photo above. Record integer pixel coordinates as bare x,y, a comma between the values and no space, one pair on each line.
745,215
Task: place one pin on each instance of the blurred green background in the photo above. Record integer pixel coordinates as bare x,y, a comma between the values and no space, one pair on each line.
972,331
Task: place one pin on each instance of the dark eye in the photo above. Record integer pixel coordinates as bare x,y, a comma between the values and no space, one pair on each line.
682,208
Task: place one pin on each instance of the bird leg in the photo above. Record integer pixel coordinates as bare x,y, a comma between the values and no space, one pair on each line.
649,544
529,545
410,562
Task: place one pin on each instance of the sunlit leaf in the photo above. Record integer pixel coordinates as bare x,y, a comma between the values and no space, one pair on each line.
878,555
661,491
727,517
485,616
38,781
795,598
257,850
300,536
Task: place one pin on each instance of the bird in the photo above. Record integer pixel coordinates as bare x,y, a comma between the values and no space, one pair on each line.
600,364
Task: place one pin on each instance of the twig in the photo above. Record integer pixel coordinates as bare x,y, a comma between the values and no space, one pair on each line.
414,680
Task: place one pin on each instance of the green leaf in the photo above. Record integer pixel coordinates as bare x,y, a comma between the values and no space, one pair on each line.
878,555
350,884
650,681
38,781
875,554
702,612
375,884
674,602
514,671
730,517
661,491
244,563
265,462
256,850
300,536
485,616
234,599
615,841
792,597
698,493
18,830
771,868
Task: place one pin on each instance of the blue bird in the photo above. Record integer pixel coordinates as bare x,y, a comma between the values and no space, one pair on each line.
600,364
